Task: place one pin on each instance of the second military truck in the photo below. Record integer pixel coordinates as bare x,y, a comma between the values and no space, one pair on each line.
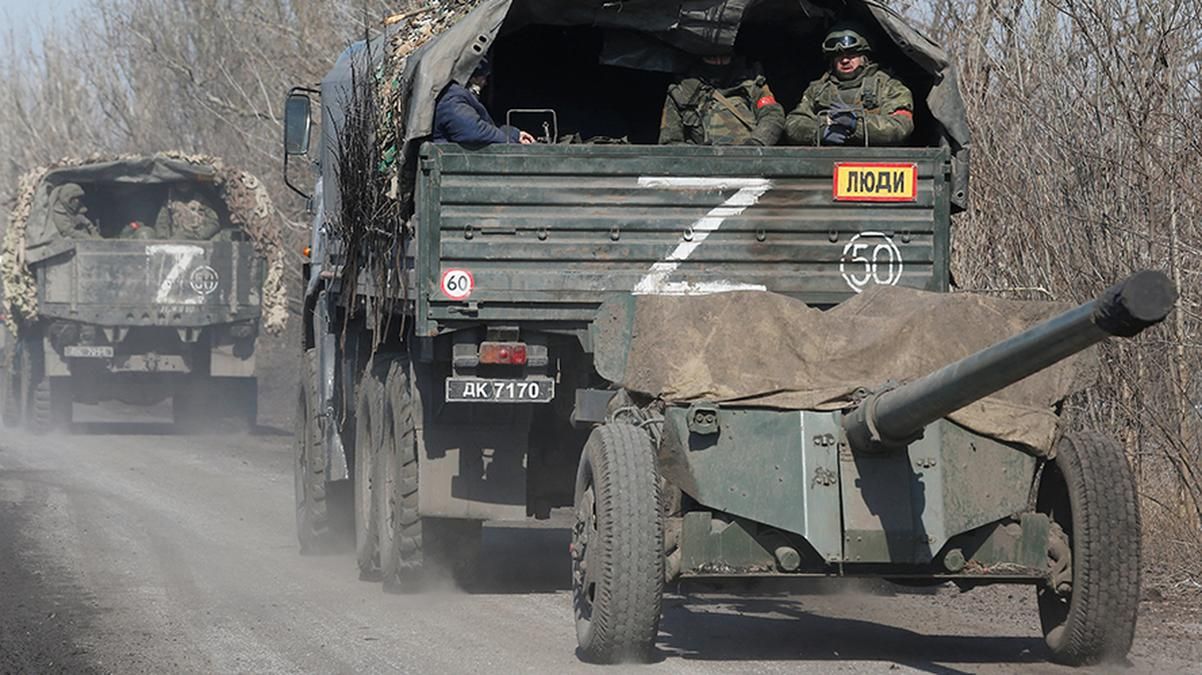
135,279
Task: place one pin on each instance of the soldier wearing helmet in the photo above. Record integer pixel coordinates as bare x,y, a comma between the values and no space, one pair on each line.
855,102
721,101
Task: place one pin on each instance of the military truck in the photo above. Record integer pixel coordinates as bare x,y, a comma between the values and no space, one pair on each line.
137,279
475,342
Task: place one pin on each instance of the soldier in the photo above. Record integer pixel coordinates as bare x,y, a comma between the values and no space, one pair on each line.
187,215
856,102
68,214
721,102
460,117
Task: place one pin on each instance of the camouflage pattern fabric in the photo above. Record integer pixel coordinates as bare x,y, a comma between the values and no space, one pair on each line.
188,219
885,108
699,113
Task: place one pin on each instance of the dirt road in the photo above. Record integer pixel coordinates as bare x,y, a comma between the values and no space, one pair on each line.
132,550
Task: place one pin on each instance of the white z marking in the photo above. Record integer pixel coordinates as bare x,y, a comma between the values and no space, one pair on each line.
749,192
181,256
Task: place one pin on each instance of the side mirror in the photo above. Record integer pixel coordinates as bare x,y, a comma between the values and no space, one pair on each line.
298,124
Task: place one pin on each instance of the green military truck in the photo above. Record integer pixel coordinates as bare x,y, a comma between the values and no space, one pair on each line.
136,279
477,341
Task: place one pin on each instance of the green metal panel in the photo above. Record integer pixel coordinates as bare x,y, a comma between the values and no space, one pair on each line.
772,467
902,507
792,470
150,283
549,232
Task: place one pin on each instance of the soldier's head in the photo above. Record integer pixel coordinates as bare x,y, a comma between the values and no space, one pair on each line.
847,49
70,195
480,75
183,191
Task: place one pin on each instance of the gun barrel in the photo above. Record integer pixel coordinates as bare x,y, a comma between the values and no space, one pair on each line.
896,416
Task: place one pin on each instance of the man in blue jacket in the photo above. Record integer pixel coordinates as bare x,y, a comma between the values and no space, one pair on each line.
460,117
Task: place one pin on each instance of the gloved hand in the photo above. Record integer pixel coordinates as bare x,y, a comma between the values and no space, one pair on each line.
835,135
842,115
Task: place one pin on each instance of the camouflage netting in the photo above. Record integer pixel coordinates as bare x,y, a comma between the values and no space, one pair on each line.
245,195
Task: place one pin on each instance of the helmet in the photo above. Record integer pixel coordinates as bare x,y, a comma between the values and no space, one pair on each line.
846,38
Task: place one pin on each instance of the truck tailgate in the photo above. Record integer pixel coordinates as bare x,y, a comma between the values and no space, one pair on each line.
178,283
546,233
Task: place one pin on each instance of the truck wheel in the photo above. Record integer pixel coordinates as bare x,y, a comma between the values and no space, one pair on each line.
400,526
1088,610
183,409
50,405
413,548
617,547
319,505
11,391
367,442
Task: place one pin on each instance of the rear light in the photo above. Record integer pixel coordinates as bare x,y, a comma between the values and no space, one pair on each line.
503,353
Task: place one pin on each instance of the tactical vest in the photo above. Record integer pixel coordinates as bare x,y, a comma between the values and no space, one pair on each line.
867,95
712,116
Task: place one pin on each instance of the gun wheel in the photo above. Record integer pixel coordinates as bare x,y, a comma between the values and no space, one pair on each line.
617,547
1088,607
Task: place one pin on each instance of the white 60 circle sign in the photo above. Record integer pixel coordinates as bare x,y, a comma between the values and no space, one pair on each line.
457,284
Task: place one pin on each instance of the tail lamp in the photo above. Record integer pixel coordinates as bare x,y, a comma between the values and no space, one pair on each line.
503,353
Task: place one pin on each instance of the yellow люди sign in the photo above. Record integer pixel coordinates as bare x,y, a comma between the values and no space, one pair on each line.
876,182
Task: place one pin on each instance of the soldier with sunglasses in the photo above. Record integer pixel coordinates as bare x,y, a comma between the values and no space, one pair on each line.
856,102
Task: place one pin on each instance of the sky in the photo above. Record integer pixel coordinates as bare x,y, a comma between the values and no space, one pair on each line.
24,16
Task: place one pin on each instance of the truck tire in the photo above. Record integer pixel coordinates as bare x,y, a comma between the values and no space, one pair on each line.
368,414
400,526
1089,492
413,549
320,506
50,405
617,547
10,408
184,414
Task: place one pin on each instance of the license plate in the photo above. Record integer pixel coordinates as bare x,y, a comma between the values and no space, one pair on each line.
876,182
88,352
475,390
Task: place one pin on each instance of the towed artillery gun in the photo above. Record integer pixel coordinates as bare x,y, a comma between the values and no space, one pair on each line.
886,487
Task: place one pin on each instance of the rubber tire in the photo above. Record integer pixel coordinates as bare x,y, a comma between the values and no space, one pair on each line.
401,542
617,607
321,507
10,407
414,550
1090,492
50,405
184,415
368,414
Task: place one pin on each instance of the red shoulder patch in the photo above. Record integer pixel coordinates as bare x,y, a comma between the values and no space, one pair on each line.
903,113
765,100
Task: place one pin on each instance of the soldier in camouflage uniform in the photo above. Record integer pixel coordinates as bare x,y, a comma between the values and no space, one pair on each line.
856,102
722,102
187,215
68,214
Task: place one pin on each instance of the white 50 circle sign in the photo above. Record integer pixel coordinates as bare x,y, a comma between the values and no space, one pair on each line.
871,258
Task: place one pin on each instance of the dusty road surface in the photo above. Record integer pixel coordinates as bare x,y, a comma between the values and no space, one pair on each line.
132,550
